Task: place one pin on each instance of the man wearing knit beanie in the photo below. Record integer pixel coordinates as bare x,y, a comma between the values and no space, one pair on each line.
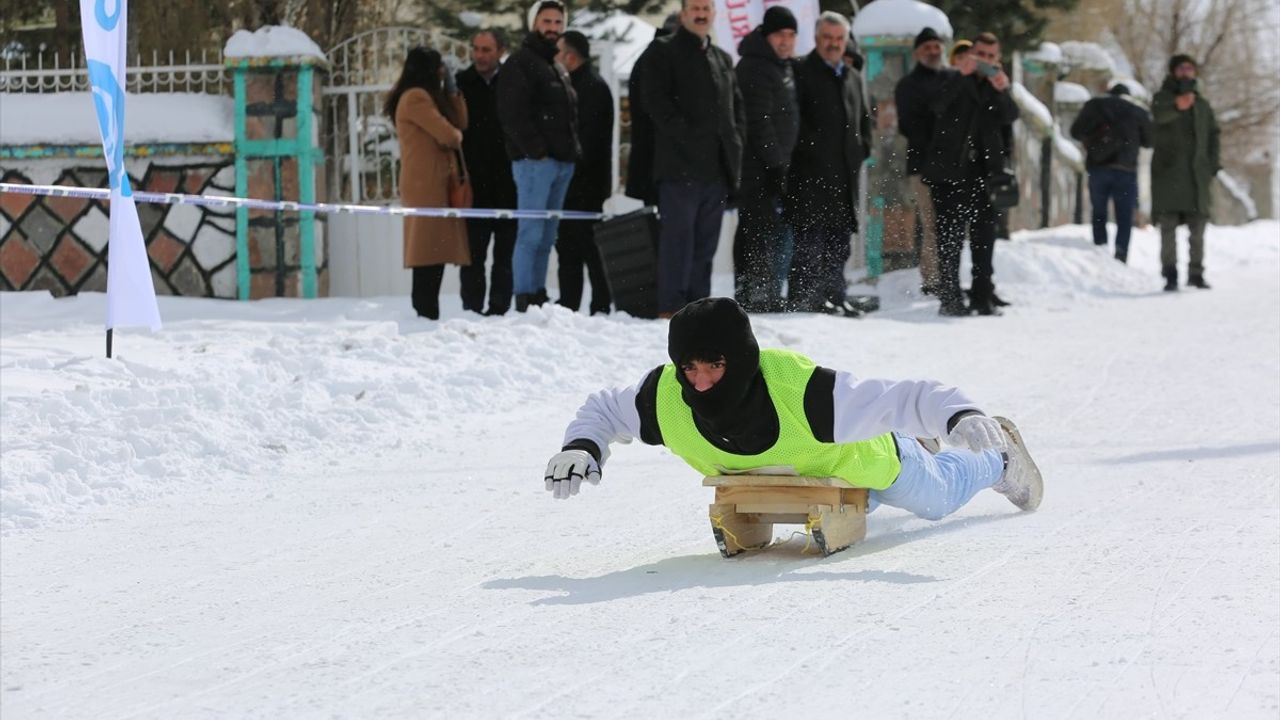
913,95
768,84
1184,163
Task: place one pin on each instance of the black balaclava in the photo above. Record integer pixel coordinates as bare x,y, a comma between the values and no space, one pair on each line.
736,414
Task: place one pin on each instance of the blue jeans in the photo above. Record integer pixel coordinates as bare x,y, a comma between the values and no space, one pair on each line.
1118,186
540,185
934,486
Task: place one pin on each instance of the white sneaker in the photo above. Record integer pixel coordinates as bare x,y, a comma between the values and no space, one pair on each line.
1021,482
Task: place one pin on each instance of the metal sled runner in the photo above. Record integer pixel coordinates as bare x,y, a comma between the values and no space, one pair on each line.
746,508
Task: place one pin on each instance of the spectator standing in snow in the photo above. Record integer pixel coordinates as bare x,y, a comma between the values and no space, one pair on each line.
592,182
536,105
834,140
491,181
1182,168
726,406
972,115
429,114
692,95
1112,128
640,183
768,86
913,94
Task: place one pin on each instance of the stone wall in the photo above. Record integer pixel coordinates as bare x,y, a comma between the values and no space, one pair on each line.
60,244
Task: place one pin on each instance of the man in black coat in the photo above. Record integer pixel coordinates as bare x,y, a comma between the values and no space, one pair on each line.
692,96
971,117
491,182
592,182
912,96
1113,128
769,99
640,183
536,105
822,190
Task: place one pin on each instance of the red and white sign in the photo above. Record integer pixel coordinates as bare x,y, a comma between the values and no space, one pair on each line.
736,18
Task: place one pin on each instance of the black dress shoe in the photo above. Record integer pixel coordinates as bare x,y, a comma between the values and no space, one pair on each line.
1197,281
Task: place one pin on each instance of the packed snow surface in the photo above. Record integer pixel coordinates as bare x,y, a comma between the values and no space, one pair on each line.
296,509
70,118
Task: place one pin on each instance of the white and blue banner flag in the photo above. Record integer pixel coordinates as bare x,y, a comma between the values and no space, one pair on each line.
131,294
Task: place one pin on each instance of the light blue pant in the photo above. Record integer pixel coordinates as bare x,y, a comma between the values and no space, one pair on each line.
934,486
540,185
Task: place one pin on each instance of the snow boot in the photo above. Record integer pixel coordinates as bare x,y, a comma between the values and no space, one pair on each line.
1021,481
525,300
1170,279
1197,281
981,298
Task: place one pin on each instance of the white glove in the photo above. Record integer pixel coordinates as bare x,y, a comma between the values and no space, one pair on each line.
568,469
978,433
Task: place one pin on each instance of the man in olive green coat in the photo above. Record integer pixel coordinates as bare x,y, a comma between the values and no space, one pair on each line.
1183,166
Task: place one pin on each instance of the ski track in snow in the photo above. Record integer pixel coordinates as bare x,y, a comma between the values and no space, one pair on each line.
332,508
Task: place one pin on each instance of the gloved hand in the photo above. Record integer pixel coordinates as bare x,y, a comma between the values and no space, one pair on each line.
567,470
978,433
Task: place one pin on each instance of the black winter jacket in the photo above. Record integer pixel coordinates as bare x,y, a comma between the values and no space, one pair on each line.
834,140
1112,130
769,103
536,104
592,182
692,96
482,143
971,129
640,159
913,95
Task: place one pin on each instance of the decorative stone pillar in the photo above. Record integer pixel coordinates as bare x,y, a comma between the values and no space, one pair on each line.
886,31
277,126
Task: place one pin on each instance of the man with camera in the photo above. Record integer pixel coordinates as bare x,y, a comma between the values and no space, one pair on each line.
966,167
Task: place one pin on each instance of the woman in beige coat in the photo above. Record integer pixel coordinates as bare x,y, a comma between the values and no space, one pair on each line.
430,115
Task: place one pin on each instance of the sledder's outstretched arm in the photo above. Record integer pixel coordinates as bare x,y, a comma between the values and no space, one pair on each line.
608,416
864,408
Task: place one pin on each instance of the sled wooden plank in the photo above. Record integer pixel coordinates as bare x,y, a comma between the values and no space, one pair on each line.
772,481
741,494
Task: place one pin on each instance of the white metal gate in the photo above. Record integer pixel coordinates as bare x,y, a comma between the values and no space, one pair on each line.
364,156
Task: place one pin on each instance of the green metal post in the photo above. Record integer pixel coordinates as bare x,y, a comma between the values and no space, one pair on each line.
242,188
305,158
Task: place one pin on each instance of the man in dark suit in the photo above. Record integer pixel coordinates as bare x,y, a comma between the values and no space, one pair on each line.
692,96
592,182
822,190
491,181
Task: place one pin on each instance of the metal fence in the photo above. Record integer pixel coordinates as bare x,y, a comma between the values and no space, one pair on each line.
202,72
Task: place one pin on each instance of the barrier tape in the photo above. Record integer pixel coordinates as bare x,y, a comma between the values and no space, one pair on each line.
290,206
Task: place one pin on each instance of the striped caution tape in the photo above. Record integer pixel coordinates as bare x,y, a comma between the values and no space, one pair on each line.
290,206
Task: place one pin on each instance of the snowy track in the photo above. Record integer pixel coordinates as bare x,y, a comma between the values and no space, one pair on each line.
291,509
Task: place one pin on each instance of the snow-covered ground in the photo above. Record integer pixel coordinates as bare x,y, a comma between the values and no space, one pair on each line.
333,508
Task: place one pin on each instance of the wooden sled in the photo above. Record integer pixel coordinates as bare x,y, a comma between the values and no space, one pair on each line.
747,506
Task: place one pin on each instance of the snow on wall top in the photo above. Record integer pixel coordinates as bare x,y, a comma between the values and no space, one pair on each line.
1087,55
1047,53
69,118
905,18
272,41
1069,92
1237,190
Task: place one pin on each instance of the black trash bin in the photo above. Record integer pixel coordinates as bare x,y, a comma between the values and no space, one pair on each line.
628,247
